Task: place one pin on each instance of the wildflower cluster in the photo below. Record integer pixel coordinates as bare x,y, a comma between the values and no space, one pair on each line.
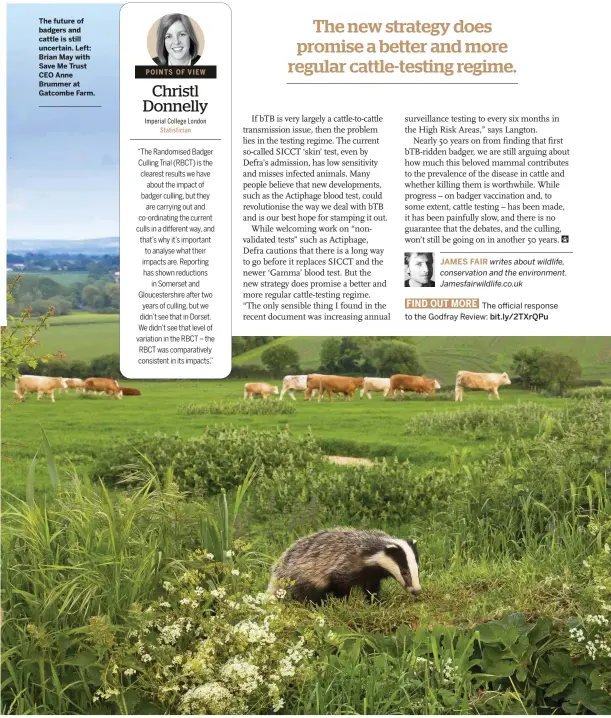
212,647
591,642
446,673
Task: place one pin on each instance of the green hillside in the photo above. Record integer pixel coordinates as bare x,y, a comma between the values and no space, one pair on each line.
444,356
81,335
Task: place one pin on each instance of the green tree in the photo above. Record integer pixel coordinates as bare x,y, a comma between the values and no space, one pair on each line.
560,371
540,369
280,359
393,357
330,354
19,339
528,365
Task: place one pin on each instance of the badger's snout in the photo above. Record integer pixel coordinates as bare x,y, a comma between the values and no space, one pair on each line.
414,591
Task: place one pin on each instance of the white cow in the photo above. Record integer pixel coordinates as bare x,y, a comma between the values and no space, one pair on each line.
294,382
29,383
375,384
78,384
483,382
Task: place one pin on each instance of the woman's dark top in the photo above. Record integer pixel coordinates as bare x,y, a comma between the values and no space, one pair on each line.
157,61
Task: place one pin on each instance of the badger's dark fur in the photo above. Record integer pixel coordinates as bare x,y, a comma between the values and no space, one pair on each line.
332,562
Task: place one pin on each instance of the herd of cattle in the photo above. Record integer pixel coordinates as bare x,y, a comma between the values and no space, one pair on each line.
310,384
48,385
330,384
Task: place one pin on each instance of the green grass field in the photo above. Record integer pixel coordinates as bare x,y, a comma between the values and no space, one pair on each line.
79,428
81,335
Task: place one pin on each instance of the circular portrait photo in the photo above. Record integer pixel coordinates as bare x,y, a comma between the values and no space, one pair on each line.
175,40
419,269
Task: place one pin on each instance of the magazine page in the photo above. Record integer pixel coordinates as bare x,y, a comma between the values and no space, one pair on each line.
306,359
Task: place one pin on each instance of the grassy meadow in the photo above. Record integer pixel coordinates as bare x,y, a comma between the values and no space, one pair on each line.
81,335
138,537
79,428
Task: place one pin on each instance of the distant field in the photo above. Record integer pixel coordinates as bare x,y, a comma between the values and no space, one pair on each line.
65,278
78,428
81,336
85,318
444,356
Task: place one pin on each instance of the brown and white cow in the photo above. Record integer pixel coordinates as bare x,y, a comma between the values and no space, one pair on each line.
375,384
418,384
333,384
110,387
28,383
259,389
479,382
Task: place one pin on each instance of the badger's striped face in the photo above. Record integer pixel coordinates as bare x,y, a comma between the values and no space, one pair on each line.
400,559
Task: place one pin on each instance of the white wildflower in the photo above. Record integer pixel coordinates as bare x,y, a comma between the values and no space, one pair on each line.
164,604
235,572
168,587
146,658
577,634
255,632
244,675
129,672
210,556
210,698
219,592
189,602
170,634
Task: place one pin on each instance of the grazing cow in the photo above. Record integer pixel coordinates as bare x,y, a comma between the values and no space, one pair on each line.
418,384
373,384
312,385
128,391
292,383
333,384
259,389
28,383
78,384
482,382
104,386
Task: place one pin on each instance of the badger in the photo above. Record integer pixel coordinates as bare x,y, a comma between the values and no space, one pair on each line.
332,562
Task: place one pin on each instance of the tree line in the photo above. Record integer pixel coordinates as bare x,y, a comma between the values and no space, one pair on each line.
96,294
535,368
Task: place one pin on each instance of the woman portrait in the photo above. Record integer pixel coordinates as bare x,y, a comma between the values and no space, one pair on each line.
176,42
418,269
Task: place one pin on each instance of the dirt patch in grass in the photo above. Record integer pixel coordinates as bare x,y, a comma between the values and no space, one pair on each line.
349,460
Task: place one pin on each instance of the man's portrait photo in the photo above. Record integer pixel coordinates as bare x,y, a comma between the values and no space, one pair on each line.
419,269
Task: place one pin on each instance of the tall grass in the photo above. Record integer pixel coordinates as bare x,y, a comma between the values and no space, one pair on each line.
74,568
590,392
517,420
245,407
